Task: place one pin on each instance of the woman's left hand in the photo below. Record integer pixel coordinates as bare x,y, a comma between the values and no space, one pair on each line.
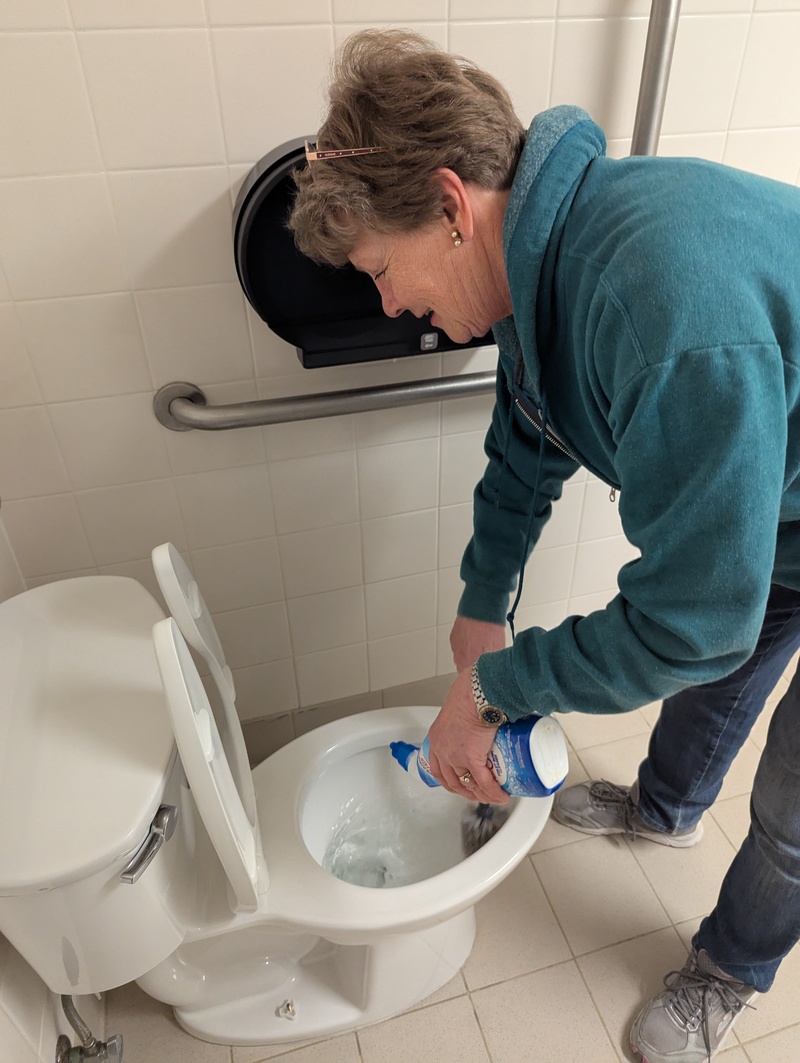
459,746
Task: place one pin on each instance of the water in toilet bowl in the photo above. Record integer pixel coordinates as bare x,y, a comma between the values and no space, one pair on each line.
393,834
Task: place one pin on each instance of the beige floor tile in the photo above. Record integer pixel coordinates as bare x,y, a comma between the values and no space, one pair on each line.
616,761
258,1054
447,1033
341,1049
517,932
777,1009
687,881
733,816
621,979
599,893
758,735
545,1016
150,1031
780,1047
585,729
554,834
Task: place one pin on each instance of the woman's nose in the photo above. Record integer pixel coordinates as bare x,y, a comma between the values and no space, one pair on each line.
391,307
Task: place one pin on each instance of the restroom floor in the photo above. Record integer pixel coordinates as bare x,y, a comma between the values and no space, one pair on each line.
568,947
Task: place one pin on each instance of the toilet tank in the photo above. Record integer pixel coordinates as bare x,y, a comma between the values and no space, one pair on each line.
87,760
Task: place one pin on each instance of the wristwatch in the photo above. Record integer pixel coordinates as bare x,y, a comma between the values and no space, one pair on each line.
488,714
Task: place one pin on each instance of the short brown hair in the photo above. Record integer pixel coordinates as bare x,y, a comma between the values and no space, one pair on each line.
426,109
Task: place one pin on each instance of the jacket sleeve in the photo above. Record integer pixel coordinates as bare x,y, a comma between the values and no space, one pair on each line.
502,504
701,445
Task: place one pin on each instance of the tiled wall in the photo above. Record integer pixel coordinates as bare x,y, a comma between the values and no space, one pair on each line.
327,550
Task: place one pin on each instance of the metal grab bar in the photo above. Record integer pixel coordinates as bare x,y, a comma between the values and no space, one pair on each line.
661,32
181,406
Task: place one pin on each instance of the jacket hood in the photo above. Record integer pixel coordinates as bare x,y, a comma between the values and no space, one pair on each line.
560,145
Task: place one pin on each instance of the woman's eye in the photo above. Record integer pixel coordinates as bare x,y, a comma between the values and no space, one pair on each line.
378,276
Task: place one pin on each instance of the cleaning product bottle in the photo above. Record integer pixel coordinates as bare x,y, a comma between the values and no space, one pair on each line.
528,757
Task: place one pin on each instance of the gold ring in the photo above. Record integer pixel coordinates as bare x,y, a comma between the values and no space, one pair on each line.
466,778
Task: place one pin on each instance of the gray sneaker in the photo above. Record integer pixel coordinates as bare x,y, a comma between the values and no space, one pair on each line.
602,807
688,1021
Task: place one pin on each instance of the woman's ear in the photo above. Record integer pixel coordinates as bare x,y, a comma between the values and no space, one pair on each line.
456,204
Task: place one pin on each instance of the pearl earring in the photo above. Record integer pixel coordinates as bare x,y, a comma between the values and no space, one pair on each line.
456,237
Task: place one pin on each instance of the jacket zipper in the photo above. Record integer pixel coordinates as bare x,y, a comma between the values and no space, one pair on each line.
536,421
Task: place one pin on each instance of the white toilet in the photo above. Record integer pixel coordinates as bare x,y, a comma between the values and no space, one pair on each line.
136,844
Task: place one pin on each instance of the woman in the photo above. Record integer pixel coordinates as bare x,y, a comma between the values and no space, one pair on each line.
647,315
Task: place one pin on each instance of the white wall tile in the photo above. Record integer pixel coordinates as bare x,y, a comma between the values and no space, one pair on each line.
110,441
691,145
547,575
43,15
46,121
772,153
395,426
30,526
705,70
455,531
125,523
321,560
18,384
153,98
769,86
332,674
314,492
597,65
467,415
600,517
449,590
30,461
396,11
543,614
259,13
598,563
519,54
399,546
463,462
86,347
202,451
565,518
5,294
265,689
226,506
255,635
502,9
269,85
144,14
59,237
433,31
303,439
398,478
402,658
198,334
325,621
239,574
401,605
174,226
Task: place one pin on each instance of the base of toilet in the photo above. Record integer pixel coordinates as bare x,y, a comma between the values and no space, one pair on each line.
341,987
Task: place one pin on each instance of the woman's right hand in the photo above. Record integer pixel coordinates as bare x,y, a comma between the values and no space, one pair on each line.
470,638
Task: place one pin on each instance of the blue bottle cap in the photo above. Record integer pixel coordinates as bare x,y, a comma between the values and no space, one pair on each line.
403,752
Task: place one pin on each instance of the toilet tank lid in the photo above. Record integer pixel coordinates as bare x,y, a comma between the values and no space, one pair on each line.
85,739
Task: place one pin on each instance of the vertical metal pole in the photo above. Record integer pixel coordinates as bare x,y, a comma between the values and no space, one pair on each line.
661,32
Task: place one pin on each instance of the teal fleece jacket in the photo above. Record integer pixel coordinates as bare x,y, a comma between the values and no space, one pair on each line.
656,318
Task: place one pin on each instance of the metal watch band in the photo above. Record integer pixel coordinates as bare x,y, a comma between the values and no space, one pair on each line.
487,714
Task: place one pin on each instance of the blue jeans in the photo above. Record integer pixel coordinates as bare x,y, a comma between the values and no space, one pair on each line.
757,917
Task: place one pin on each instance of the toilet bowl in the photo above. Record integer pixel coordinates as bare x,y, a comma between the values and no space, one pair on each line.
136,844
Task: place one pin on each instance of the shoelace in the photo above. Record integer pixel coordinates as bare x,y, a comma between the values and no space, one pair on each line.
693,995
604,794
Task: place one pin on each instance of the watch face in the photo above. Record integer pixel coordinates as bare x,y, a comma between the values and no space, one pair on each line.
491,715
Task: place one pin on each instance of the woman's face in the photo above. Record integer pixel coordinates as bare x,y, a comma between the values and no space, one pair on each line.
424,271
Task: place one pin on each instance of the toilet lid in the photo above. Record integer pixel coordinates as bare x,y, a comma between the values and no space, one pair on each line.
206,765
185,602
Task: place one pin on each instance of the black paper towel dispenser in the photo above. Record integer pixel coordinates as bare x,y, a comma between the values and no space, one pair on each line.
332,316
